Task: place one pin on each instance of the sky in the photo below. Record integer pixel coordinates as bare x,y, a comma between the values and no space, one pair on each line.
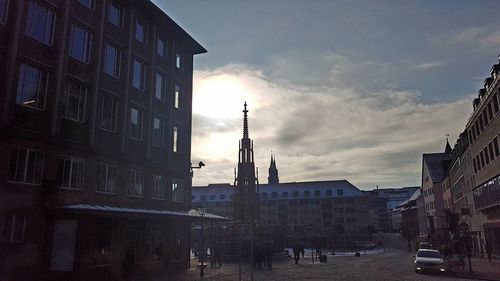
354,90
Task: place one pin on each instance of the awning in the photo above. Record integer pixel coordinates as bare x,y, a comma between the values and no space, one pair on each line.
106,209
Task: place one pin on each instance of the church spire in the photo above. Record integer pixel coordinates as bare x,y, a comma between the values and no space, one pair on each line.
245,122
273,171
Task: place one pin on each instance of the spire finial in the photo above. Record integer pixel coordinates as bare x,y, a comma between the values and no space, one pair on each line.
245,121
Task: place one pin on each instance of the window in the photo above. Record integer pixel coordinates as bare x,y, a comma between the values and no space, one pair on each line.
106,178
75,101
486,155
115,13
485,118
157,132
138,75
475,165
161,46
40,23
481,155
178,61
490,148
160,87
175,147
317,193
87,3
111,61
31,88
495,144
159,187
177,189
109,108
14,228
495,103
80,43
264,195
135,182
177,95
306,193
135,123
340,192
204,197
329,193
71,172
3,10
274,194
140,30
295,194
285,194
222,196
490,110
26,166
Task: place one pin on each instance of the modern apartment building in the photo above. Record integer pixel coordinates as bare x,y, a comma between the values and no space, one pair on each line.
95,135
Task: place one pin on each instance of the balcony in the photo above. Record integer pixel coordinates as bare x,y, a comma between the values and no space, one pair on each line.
488,194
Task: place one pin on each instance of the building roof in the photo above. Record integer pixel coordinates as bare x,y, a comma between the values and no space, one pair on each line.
92,208
435,165
293,190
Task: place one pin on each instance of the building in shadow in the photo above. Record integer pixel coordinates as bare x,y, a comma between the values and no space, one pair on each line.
95,136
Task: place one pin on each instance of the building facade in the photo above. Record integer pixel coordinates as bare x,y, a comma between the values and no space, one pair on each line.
95,135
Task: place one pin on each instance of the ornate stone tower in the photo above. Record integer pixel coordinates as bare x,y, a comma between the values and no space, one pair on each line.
246,199
273,172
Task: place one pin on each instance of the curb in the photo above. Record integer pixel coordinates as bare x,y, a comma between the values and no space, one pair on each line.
469,276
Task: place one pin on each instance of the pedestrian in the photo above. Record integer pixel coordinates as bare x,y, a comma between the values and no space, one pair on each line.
489,249
296,252
302,249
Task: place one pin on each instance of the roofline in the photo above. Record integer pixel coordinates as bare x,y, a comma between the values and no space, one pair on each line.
197,47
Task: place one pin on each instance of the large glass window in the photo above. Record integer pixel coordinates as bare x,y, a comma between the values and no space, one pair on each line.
106,178
109,108
3,10
160,87
71,172
161,46
76,94
159,187
87,3
140,30
138,75
115,13
101,242
135,123
157,132
31,88
80,43
111,60
136,182
26,166
177,190
40,23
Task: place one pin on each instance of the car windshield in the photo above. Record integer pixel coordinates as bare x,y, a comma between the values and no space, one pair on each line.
429,254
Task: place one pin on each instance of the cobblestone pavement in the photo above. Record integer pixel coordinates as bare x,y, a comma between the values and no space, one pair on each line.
395,263
391,265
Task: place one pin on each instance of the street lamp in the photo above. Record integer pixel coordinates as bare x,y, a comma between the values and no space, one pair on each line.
200,164
202,212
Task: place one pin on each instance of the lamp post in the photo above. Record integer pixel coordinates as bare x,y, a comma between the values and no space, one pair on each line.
202,212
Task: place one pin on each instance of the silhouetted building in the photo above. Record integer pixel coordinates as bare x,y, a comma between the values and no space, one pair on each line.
246,199
95,136
273,172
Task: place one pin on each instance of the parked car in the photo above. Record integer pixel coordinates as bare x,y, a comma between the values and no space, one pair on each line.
365,245
429,260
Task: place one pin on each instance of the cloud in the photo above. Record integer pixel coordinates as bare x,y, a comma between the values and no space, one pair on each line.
429,65
319,133
478,38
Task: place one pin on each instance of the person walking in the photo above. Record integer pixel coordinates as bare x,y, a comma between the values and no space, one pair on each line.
296,253
488,249
302,249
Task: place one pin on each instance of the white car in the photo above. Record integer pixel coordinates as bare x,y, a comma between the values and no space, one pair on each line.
429,260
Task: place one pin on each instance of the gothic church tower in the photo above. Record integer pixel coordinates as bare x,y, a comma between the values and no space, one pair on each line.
273,172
